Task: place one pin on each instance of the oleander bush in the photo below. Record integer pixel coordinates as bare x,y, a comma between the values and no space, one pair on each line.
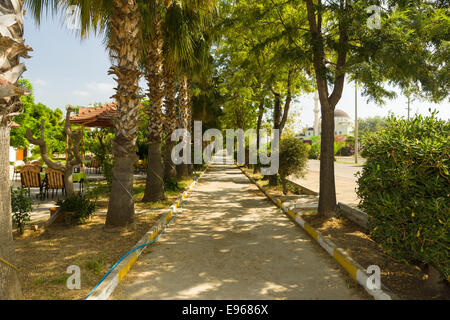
405,187
293,159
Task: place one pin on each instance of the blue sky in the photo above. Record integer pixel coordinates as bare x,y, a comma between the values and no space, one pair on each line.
66,70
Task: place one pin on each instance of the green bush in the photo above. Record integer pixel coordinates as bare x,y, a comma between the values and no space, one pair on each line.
293,159
314,151
171,184
80,204
404,188
21,207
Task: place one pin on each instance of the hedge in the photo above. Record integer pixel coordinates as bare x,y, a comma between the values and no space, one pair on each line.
405,187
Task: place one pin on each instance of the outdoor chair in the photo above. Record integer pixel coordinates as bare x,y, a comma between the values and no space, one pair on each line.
54,181
36,163
30,178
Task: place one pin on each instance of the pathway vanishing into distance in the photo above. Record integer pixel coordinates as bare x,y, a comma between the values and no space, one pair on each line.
230,242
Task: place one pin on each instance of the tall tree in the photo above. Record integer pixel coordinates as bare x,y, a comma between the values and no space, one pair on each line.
153,66
342,40
124,44
12,48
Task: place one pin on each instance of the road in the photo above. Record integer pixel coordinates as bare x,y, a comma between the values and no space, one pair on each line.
344,178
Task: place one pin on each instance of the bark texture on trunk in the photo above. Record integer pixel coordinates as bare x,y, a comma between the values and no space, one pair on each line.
327,198
125,51
171,120
155,174
183,116
154,190
121,201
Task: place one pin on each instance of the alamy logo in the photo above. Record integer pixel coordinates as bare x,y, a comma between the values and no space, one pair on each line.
181,153
374,21
72,17
374,281
74,281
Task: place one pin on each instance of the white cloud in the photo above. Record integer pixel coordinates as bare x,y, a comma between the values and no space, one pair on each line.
80,93
40,82
100,87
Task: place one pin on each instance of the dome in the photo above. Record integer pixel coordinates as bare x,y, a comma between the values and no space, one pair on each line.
338,113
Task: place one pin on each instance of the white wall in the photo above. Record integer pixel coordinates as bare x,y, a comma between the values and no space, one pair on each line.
12,154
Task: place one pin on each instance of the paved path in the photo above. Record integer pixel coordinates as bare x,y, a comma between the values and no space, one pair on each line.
344,178
230,242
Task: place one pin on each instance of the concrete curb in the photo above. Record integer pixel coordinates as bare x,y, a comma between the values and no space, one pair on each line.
106,288
355,270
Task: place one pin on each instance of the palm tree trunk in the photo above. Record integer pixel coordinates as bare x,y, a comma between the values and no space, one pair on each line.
12,49
124,49
183,119
171,120
190,166
154,187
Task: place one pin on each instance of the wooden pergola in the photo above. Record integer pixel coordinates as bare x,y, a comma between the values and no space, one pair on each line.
96,117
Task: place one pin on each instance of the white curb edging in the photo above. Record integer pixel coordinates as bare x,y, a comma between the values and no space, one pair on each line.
355,270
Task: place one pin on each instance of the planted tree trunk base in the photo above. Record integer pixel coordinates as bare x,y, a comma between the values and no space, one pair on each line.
121,202
120,229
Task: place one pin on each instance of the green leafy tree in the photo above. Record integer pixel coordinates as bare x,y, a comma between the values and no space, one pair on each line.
409,47
371,124
31,119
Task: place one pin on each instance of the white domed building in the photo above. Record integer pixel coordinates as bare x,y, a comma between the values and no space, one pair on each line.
343,125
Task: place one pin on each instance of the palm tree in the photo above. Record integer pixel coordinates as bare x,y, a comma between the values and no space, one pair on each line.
120,20
12,48
186,48
169,31
153,65
170,117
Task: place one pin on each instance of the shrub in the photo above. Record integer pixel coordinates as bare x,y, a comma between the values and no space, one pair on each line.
293,159
80,204
314,151
171,184
21,207
404,187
